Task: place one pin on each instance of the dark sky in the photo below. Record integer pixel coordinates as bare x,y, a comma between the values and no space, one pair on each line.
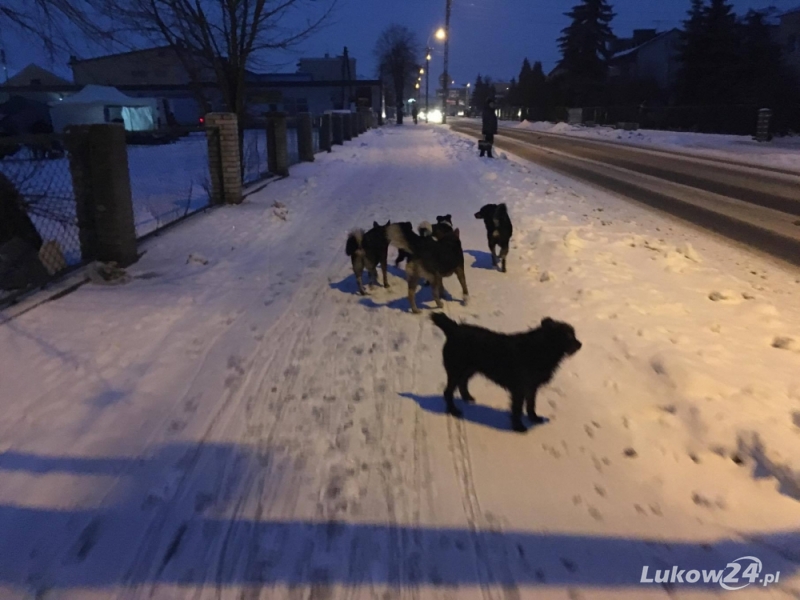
487,36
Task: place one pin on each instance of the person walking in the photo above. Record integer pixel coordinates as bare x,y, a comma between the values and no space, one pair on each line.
489,130
414,113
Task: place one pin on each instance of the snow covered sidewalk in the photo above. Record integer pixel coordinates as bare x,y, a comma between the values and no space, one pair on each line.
236,423
780,153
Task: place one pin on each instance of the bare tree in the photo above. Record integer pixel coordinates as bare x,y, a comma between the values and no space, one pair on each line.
215,39
398,55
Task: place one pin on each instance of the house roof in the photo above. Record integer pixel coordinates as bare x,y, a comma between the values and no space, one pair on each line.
636,49
34,71
74,60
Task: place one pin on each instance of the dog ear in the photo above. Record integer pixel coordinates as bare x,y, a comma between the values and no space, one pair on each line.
458,233
548,322
375,224
389,222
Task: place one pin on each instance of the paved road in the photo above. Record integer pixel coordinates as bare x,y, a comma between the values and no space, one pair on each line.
754,205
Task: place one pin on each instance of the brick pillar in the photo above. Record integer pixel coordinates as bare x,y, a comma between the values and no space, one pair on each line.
98,160
353,124
305,137
325,133
277,147
224,159
337,128
347,126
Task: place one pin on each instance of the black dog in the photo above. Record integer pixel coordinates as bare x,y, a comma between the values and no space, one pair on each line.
520,362
367,251
444,225
429,258
498,230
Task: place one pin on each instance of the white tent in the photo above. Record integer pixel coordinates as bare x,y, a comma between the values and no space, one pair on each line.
100,104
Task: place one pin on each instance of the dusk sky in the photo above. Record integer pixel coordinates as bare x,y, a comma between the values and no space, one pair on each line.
487,36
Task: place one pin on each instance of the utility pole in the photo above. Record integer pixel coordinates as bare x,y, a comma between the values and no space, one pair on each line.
446,58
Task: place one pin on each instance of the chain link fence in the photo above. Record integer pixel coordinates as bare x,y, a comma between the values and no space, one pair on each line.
254,155
170,178
39,235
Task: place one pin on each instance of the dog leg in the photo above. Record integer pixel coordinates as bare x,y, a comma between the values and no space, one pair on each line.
530,408
464,391
448,398
361,289
462,279
401,256
412,292
437,291
517,400
503,254
384,269
373,277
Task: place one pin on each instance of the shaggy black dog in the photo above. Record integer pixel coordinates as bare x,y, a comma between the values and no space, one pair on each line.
443,226
367,251
430,259
520,362
498,231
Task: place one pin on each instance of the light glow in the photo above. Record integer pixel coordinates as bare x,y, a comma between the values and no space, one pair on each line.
441,34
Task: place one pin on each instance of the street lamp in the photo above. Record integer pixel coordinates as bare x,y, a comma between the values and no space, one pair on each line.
466,101
441,33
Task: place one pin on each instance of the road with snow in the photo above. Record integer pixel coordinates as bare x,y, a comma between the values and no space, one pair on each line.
235,422
753,203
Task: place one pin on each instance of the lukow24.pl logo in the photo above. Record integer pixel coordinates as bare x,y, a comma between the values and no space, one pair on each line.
737,575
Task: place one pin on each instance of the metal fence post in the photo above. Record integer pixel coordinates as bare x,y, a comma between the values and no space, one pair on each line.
762,129
224,157
102,186
305,137
277,147
347,126
325,133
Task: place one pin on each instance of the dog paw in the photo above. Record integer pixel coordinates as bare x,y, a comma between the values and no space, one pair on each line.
465,301
416,311
386,285
519,427
536,419
456,412
469,400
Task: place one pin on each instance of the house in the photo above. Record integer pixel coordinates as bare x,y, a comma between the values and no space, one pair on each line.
20,115
656,59
788,36
151,66
35,79
328,68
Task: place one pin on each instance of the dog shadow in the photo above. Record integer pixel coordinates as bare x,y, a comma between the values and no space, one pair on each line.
479,414
483,260
349,285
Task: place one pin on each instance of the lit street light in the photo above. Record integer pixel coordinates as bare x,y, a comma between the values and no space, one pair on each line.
441,34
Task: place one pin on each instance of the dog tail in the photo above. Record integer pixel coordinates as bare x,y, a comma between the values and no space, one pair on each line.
354,242
445,323
425,229
400,238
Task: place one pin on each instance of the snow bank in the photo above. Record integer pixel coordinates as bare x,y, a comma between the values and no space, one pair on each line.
781,152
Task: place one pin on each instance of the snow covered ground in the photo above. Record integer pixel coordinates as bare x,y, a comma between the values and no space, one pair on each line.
781,153
236,423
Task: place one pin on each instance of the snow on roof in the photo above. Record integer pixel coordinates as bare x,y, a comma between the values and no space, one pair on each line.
640,46
100,94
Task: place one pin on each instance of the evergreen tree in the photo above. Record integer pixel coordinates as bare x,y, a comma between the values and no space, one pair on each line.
763,77
526,86
540,95
585,49
692,53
